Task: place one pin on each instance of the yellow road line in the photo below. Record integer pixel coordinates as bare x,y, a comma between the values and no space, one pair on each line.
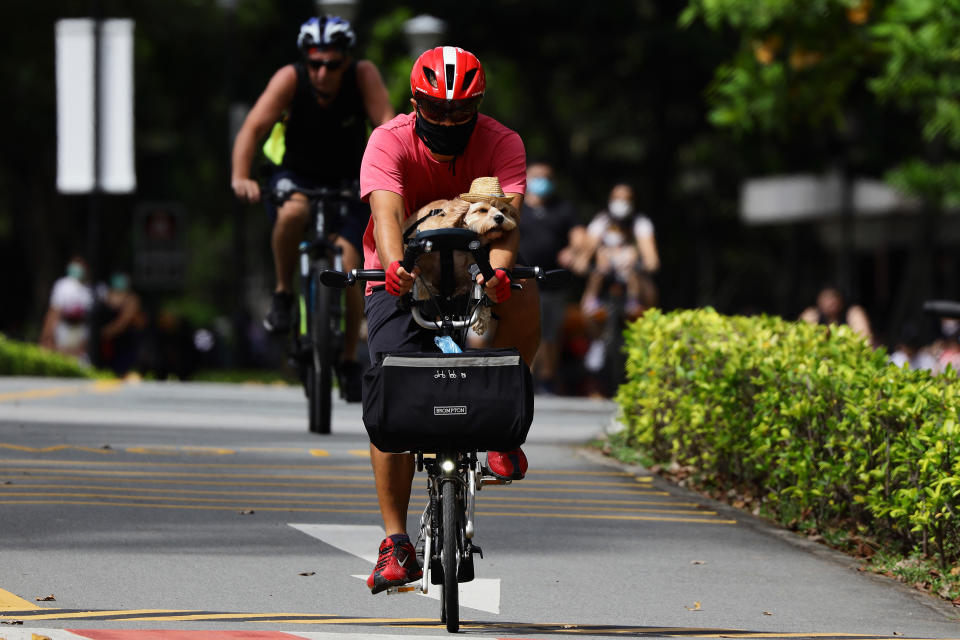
13,488
20,447
55,615
319,453
523,514
431,621
586,516
230,483
93,503
163,451
33,471
371,501
519,489
11,602
279,617
100,386
33,394
201,465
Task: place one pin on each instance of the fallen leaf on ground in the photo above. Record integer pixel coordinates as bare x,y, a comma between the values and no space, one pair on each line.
695,607
698,562
955,571
11,621
767,613
49,598
247,512
107,447
307,573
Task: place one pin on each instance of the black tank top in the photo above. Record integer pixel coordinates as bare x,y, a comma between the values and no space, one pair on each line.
326,144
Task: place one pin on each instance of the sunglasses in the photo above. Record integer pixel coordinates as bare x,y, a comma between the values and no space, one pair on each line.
452,110
332,65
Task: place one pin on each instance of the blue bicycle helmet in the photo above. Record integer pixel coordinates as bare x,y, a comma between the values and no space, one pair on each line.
325,32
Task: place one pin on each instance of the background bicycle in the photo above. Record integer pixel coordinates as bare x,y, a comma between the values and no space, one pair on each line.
317,333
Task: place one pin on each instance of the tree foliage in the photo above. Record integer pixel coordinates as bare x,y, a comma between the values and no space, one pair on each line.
825,62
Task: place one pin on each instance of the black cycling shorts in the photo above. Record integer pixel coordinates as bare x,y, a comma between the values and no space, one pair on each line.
352,226
390,329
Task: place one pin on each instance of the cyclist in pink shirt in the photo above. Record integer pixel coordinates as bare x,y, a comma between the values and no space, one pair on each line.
436,152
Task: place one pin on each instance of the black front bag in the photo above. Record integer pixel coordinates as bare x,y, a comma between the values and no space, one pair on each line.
479,400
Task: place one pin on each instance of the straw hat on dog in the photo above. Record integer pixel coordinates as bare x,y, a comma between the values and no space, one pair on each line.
486,189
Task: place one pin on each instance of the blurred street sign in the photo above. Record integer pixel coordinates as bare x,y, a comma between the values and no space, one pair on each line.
795,198
95,106
159,246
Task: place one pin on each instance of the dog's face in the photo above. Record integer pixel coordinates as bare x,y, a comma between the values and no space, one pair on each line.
490,221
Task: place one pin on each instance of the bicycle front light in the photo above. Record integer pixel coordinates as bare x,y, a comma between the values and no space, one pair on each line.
448,466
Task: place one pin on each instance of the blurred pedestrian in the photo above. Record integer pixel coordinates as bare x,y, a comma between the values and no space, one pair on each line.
548,225
831,308
66,325
621,243
122,321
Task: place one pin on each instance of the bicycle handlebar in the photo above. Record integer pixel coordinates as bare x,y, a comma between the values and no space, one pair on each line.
446,239
285,188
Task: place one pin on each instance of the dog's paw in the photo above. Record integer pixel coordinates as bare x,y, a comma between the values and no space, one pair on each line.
483,321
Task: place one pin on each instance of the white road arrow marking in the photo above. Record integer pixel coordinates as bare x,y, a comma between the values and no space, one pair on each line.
482,594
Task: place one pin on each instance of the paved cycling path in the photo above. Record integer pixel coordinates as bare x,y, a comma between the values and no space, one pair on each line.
208,508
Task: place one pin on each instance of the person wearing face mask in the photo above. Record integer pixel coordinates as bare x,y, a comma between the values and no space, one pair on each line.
122,321
621,243
549,226
831,308
66,325
326,100
435,152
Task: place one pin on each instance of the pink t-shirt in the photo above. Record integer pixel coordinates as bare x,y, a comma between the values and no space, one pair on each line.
397,160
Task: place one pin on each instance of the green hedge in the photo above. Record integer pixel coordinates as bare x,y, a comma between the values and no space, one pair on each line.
24,359
810,420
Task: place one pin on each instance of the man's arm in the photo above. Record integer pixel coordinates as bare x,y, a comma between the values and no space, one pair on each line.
267,110
376,99
386,209
648,253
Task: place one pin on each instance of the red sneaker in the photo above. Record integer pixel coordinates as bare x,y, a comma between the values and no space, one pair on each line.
507,465
396,565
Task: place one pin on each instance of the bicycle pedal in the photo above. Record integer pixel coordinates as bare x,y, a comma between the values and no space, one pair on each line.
465,569
411,587
487,478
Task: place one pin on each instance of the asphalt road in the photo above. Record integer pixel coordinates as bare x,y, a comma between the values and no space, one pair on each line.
210,507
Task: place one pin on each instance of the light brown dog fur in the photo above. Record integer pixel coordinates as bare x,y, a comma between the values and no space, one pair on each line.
490,221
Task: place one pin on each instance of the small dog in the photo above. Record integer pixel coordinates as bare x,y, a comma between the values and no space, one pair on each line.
490,220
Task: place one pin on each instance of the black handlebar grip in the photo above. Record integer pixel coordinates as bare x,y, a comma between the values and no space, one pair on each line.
371,274
410,255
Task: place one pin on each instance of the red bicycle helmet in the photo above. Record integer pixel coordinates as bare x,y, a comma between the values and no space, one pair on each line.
447,80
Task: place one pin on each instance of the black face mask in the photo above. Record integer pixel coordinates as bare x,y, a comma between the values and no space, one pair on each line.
445,140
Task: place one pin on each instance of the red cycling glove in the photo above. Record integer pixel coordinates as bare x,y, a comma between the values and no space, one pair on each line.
393,282
503,285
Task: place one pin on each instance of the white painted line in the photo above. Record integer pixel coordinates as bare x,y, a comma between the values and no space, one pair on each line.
362,541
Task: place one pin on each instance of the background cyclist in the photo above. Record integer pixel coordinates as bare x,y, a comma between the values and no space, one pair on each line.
435,152
326,98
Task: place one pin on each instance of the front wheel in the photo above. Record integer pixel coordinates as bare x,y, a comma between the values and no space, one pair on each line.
450,596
